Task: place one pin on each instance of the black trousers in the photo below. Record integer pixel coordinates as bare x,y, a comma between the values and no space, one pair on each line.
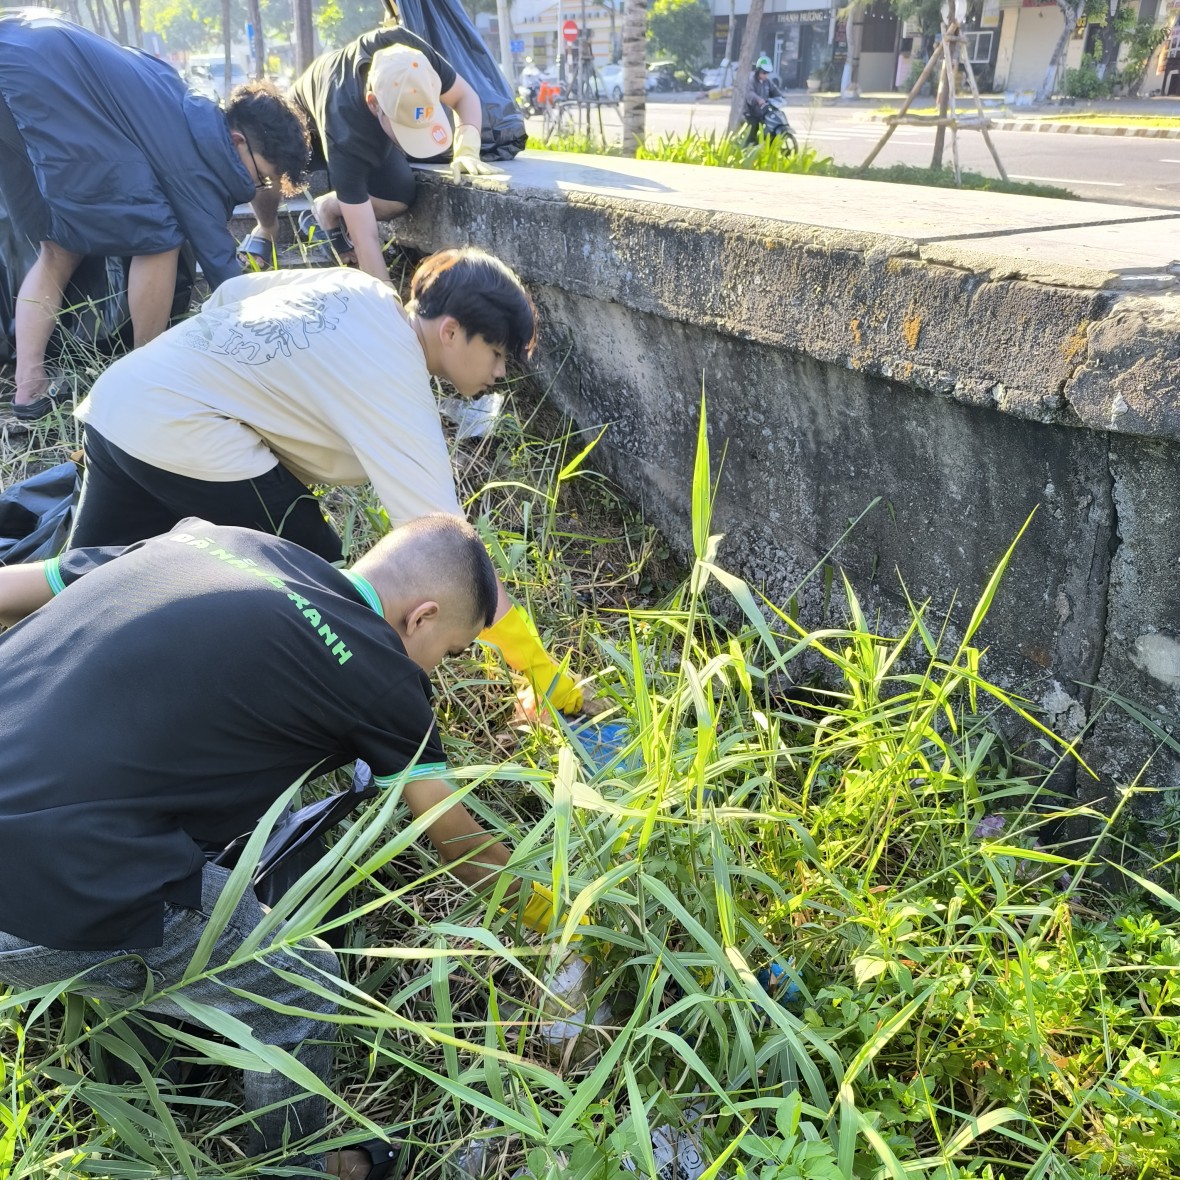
125,500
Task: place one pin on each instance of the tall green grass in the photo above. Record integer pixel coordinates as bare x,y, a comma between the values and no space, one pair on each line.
968,1001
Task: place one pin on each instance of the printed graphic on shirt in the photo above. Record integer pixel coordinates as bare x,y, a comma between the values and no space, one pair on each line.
315,620
257,331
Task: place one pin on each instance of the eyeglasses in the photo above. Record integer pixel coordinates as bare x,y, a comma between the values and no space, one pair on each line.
262,181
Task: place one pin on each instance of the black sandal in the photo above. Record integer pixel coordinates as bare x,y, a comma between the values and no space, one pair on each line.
258,252
311,233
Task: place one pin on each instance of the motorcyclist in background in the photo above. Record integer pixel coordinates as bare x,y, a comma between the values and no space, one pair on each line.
759,90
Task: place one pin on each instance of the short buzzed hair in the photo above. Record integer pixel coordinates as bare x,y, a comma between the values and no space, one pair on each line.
437,556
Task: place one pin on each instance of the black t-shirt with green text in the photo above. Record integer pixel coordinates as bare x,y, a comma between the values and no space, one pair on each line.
163,699
331,92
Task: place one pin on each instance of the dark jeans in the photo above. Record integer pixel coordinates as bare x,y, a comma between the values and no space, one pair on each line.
286,1113
125,500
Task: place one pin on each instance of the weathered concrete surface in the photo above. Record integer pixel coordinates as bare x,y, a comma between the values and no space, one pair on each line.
964,357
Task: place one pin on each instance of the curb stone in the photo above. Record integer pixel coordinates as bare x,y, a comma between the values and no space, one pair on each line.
1043,127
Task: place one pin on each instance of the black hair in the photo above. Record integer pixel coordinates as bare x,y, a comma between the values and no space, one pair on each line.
481,293
274,128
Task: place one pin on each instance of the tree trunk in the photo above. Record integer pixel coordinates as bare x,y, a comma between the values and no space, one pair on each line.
504,23
1111,44
745,64
118,25
728,56
634,96
1069,17
258,48
227,41
855,24
304,34
943,108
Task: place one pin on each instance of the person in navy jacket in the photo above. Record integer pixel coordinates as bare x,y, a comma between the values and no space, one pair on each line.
105,151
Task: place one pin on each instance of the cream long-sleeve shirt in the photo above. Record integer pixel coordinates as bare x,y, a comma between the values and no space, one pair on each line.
315,369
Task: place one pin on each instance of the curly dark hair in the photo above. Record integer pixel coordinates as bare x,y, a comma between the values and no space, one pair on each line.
274,128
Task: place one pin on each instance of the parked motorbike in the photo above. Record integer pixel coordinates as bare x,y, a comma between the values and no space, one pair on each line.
534,95
776,126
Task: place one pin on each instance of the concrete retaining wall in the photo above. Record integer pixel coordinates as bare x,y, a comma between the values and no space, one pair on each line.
963,381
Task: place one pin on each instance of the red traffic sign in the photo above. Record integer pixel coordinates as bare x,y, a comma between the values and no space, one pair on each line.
569,30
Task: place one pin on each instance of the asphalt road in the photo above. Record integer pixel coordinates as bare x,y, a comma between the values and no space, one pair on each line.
1118,169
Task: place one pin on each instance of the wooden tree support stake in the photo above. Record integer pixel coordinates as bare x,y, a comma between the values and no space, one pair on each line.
948,55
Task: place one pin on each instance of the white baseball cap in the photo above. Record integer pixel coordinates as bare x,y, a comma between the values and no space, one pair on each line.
407,89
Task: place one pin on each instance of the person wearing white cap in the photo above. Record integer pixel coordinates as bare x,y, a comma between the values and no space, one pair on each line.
371,107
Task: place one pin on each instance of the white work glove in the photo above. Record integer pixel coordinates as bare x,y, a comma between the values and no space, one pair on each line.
465,153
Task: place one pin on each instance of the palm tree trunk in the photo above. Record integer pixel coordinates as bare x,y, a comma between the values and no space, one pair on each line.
634,97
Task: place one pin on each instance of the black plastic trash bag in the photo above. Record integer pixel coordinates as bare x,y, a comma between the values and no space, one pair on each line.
297,843
36,514
446,27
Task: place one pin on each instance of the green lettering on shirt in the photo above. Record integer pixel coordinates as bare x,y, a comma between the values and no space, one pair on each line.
249,565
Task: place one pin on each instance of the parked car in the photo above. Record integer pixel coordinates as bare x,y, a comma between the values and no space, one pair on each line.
210,72
664,76
610,80
718,76
200,81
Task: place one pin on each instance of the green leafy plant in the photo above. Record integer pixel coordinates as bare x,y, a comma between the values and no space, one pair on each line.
1084,80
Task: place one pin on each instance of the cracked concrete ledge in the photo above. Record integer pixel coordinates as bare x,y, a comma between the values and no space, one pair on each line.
968,361
988,314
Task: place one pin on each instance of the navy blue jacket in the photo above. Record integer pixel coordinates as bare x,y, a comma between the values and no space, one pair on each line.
128,160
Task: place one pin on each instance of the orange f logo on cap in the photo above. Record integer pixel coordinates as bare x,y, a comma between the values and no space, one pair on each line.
408,91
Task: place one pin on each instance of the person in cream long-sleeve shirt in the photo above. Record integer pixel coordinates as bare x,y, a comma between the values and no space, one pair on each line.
291,378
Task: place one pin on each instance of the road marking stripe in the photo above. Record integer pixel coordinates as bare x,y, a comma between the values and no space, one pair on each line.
1170,161
1065,180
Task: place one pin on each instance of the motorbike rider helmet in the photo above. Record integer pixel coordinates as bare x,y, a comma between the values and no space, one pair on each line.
763,64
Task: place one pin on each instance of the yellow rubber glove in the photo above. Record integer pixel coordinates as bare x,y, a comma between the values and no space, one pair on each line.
521,647
539,911
465,153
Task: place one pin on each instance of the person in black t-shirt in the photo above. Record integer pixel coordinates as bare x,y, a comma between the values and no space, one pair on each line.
370,106
203,672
